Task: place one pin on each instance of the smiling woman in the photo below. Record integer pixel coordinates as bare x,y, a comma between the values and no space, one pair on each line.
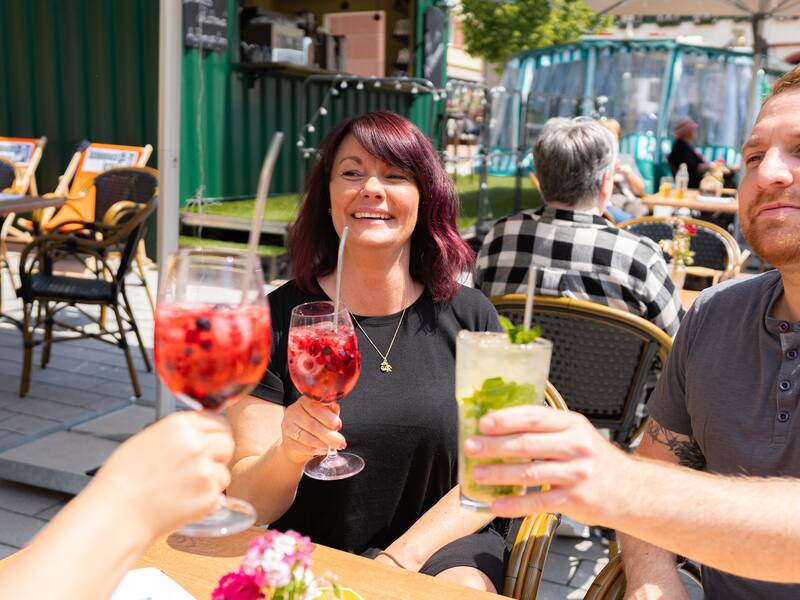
378,175
364,154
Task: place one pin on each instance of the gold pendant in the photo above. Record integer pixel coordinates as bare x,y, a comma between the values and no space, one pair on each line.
386,367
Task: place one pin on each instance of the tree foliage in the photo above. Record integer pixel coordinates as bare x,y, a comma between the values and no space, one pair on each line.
495,29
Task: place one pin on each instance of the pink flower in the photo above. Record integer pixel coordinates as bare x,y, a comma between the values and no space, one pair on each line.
237,585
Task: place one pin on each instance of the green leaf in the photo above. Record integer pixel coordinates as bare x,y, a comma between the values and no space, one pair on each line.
526,336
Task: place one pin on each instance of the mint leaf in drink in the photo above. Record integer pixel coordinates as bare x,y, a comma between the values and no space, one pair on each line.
517,334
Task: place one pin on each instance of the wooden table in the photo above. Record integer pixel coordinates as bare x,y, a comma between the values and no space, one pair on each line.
691,202
198,563
16,203
689,296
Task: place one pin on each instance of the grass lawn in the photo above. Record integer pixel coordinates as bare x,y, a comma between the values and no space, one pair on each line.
186,241
283,207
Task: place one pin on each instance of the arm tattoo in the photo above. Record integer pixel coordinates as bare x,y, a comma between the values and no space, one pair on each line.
688,451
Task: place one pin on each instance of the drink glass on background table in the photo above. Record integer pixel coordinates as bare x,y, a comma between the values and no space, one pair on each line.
324,364
492,373
665,186
212,344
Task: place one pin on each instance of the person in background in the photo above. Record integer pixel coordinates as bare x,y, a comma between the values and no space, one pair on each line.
684,151
578,253
704,517
727,401
624,203
170,474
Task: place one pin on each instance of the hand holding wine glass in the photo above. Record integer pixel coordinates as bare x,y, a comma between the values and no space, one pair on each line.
318,424
324,364
212,344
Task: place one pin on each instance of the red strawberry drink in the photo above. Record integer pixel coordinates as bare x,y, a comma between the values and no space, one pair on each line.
324,362
211,355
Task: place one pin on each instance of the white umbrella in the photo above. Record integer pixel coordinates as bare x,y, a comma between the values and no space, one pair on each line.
757,10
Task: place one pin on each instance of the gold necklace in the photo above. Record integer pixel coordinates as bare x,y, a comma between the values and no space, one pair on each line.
385,366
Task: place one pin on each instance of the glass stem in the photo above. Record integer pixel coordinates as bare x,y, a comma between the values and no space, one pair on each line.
331,454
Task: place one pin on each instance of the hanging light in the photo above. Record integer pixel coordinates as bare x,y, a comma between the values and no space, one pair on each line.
300,143
414,90
310,128
334,92
377,83
343,85
323,111
360,85
397,85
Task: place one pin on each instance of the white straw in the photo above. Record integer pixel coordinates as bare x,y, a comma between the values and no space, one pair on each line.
261,202
526,320
339,260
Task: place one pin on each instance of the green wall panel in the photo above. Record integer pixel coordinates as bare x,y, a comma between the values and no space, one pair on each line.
78,69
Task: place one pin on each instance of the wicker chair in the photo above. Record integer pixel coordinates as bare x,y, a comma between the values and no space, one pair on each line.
603,358
717,253
527,560
121,233
610,582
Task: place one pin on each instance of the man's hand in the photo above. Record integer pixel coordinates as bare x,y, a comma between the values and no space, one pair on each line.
583,470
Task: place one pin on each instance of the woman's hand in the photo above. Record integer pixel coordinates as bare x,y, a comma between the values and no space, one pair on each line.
169,474
309,427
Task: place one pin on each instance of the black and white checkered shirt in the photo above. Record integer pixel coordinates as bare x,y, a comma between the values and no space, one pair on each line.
582,256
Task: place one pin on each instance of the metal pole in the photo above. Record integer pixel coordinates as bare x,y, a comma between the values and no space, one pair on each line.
482,222
523,136
759,54
170,52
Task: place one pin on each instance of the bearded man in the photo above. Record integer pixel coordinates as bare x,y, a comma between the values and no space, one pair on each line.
727,401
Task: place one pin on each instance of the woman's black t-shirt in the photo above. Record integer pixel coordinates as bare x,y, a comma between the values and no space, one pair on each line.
404,424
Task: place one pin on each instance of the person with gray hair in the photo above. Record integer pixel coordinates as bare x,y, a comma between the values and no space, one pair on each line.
578,253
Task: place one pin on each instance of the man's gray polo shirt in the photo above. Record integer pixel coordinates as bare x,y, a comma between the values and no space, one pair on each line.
732,382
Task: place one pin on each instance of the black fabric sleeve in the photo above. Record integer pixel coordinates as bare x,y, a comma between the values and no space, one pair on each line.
273,387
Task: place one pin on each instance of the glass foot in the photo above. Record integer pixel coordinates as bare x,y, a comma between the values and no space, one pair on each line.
232,516
338,466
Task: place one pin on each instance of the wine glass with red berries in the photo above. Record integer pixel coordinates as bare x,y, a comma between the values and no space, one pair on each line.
212,344
324,364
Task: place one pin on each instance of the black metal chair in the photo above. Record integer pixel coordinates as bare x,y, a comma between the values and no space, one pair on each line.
120,233
604,359
717,253
8,174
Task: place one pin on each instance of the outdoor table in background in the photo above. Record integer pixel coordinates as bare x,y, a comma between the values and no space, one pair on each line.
15,203
728,205
689,296
198,563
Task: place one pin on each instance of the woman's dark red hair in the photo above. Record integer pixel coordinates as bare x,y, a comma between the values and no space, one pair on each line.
438,254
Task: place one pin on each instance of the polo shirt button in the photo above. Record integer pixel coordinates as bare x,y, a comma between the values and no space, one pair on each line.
785,385
784,326
791,354
783,416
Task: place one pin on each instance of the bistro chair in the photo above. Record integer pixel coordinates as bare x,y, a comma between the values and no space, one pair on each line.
610,582
532,543
717,253
121,232
604,360
19,159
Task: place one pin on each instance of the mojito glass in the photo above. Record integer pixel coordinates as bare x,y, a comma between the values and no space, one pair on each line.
493,373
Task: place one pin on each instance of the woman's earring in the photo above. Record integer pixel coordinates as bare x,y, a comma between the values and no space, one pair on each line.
329,211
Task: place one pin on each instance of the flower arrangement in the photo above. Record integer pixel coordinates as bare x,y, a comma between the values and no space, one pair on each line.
679,247
276,566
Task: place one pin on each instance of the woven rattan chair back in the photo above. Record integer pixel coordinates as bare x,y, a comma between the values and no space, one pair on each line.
8,174
603,358
714,247
137,184
610,582
532,543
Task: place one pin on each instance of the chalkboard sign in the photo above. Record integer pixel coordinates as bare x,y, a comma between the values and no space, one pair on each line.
434,48
205,24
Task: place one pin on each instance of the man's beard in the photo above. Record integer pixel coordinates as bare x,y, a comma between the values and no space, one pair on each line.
778,245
